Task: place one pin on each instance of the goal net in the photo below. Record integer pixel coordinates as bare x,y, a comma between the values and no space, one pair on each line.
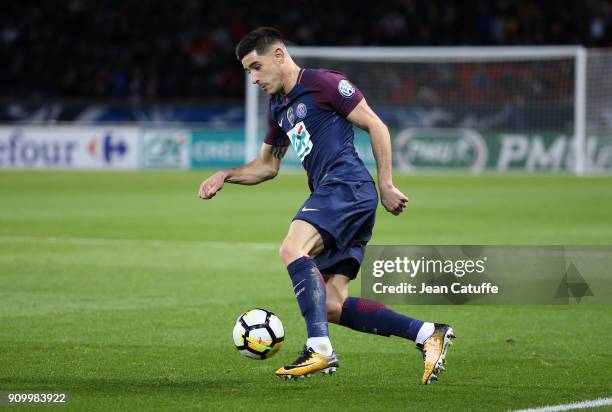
473,109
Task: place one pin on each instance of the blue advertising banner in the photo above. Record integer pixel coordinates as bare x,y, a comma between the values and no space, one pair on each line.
212,148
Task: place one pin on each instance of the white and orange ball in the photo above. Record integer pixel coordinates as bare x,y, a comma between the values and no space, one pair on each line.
258,334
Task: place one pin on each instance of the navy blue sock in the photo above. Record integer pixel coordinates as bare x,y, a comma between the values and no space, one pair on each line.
309,289
372,317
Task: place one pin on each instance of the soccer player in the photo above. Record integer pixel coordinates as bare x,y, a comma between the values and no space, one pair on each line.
314,110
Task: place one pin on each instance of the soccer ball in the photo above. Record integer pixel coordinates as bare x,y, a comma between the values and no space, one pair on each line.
258,334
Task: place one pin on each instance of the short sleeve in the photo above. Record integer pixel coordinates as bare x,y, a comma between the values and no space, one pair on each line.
275,135
338,92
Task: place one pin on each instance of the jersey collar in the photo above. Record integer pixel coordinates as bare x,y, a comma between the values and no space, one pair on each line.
292,91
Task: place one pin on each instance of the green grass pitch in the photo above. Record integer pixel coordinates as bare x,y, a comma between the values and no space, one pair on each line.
123,288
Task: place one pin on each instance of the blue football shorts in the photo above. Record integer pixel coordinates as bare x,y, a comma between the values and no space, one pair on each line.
344,213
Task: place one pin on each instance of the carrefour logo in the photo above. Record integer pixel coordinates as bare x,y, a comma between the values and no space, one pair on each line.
453,148
107,147
68,147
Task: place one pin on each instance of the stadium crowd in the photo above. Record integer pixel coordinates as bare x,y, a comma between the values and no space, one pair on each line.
183,49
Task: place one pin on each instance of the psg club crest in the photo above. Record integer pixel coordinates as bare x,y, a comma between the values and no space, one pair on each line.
301,110
345,88
290,116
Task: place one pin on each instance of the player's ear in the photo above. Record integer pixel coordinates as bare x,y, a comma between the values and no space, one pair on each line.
279,54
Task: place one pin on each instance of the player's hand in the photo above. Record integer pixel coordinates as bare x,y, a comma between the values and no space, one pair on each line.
393,200
210,187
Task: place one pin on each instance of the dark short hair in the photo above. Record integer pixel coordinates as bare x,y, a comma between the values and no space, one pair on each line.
259,40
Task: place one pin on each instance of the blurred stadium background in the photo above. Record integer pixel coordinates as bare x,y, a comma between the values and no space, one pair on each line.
119,286
165,69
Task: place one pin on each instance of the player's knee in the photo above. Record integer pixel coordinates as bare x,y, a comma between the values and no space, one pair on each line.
288,252
334,311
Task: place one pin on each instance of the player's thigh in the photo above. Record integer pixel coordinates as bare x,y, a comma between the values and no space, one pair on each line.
336,287
302,239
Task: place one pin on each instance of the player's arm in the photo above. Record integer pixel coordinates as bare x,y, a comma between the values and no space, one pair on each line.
265,167
364,117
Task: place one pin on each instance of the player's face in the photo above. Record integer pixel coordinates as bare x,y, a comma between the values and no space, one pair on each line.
264,70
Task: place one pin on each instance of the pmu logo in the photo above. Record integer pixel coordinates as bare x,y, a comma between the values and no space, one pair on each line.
440,148
107,147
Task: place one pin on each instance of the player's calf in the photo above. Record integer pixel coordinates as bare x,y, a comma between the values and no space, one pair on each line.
334,311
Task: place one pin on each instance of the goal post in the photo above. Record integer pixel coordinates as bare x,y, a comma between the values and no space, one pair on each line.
469,109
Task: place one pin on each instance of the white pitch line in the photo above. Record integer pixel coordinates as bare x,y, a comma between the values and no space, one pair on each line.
83,241
595,403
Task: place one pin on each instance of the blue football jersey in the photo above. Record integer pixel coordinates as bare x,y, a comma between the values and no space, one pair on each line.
312,118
